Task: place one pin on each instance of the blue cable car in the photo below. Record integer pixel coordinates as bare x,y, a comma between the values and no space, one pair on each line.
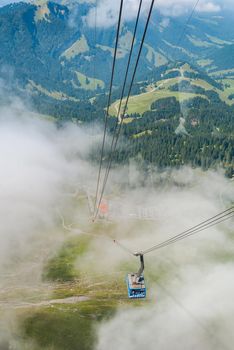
136,282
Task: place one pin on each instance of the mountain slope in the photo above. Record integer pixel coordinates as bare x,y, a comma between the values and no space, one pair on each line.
178,113
50,45
180,81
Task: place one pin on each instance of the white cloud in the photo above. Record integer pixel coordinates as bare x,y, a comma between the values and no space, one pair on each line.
195,312
37,165
209,7
179,7
227,3
190,291
107,11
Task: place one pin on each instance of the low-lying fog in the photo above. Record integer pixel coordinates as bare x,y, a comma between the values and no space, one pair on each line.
192,307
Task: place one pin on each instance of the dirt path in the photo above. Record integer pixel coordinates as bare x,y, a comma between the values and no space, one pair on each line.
17,304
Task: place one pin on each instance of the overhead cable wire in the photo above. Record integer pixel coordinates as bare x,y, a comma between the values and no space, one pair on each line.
187,22
183,31
124,84
109,100
125,106
129,61
189,234
94,64
194,229
95,43
71,227
123,247
185,26
217,219
207,221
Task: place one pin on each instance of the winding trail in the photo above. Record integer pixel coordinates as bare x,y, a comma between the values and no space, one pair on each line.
16,303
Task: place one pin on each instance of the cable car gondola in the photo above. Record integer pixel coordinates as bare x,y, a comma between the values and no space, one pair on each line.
136,282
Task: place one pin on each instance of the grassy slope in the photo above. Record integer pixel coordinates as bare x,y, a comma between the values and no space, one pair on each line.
68,327
221,73
92,83
142,102
78,47
61,267
204,63
42,12
72,326
199,43
121,52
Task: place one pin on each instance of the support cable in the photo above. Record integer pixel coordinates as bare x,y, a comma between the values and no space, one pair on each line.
182,33
125,106
187,22
190,234
72,228
109,100
217,219
123,247
128,64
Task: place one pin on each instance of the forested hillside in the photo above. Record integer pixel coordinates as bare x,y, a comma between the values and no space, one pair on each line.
202,136
53,52
181,105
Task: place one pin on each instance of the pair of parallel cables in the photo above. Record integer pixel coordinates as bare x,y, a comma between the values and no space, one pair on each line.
204,225
118,125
